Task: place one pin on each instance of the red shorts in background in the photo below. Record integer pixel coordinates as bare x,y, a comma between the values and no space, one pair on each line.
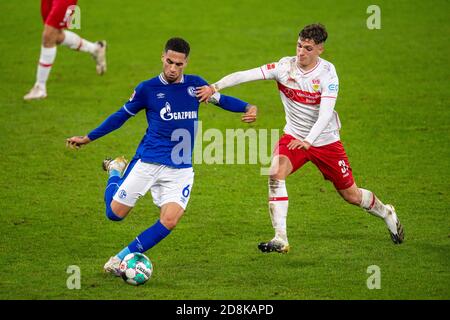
55,13
331,160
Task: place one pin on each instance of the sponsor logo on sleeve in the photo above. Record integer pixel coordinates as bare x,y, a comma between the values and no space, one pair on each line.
333,87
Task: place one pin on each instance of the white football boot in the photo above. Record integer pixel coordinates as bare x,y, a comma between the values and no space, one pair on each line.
276,244
118,164
100,57
394,226
37,92
113,266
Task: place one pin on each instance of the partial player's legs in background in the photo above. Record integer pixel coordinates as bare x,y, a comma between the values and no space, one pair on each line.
50,37
369,202
54,35
97,49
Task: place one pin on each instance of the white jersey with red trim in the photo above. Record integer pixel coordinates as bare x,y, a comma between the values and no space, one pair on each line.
302,93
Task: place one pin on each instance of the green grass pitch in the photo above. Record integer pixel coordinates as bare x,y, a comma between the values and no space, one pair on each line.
394,108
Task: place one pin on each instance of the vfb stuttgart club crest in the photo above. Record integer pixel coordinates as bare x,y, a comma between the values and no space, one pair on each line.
316,84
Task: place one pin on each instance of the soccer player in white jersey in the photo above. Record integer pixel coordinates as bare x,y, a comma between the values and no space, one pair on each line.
56,15
308,88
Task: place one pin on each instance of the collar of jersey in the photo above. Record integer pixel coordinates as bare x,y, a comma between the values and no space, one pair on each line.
164,81
309,71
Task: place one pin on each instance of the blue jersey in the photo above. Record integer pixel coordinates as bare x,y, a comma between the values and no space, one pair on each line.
172,112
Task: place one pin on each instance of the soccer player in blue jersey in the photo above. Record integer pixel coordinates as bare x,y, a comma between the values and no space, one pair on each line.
159,165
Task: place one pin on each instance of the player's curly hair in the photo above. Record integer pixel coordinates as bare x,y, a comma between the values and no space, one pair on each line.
315,31
178,45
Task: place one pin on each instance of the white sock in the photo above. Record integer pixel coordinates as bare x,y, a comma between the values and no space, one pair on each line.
278,207
46,60
372,204
75,42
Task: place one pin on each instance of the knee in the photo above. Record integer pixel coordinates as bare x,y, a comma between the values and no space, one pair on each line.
353,198
277,173
280,168
169,222
111,215
276,176
49,38
114,212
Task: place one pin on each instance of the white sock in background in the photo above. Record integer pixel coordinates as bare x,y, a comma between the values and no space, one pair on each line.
75,42
46,60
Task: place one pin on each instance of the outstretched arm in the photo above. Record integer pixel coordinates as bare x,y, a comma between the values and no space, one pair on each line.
136,103
205,92
113,122
235,105
238,78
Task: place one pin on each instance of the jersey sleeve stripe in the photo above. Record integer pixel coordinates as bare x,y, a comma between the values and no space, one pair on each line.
128,111
329,97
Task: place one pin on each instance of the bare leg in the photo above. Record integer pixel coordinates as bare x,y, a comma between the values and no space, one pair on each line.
51,36
365,199
369,202
171,214
120,209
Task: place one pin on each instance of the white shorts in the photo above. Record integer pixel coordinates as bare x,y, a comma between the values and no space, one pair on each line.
165,183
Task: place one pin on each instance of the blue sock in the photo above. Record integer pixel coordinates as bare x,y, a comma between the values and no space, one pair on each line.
122,254
146,240
111,188
114,173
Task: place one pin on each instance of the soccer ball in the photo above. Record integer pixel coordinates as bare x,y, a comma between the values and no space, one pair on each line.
136,268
